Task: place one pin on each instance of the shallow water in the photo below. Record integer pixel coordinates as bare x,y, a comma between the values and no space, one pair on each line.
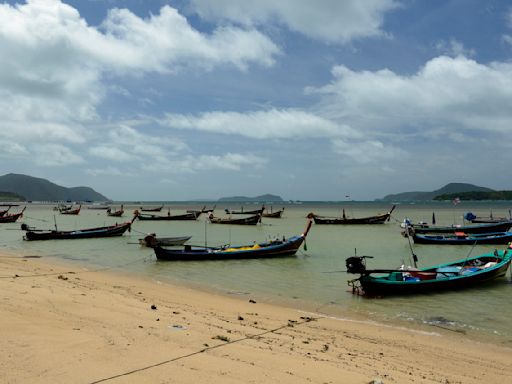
310,280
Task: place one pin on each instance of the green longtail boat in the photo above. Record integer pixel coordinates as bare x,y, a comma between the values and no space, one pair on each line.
456,275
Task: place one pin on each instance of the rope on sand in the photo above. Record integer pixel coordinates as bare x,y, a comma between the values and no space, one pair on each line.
306,320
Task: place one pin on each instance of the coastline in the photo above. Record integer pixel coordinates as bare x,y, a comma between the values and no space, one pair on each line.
64,323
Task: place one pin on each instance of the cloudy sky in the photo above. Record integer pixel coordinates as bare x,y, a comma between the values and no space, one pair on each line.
309,100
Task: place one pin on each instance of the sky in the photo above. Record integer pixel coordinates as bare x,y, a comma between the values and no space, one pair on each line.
309,100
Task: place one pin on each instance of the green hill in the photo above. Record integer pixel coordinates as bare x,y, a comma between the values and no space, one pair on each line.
37,189
452,188
10,197
474,195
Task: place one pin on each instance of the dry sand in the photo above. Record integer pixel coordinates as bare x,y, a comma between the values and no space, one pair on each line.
62,324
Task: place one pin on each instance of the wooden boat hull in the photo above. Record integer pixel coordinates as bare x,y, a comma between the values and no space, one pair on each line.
157,209
252,220
186,216
377,219
4,212
112,231
338,220
153,241
273,215
242,212
271,249
118,213
11,218
115,214
264,250
489,220
70,211
378,286
476,228
483,238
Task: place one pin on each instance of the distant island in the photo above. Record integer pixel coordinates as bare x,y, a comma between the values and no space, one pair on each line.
474,195
37,189
452,189
258,199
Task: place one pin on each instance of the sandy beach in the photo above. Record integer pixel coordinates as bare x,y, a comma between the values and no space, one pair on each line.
63,324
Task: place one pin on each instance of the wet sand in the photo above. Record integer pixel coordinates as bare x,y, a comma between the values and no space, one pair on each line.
67,324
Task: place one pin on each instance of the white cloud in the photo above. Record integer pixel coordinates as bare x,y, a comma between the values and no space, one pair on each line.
367,152
507,39
12,149
108,171
271,124
192,164
164,41
110,153
327,20
55,155
116,89
144,145
229,161
36,132
126,135
453,47
162,154
142,150
508,18
450,93
52,67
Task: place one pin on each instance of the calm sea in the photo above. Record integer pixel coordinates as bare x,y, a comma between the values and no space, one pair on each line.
309,281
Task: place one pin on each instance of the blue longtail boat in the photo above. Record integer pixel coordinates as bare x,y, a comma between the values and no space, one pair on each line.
461,238
501,226
88,233
275,248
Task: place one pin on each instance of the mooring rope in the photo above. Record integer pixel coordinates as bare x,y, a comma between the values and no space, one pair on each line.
250,337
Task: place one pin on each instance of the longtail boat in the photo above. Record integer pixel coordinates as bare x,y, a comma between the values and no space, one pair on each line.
117,213
377,219
156,209
70,211
63,207
242,212
151,240
275,248
460,274
11,218
185,216
202,210
4,211
109,231
273,214
461,238
469,216
250,220
502,226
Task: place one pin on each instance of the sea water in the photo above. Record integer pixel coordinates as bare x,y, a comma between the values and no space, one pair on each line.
314,280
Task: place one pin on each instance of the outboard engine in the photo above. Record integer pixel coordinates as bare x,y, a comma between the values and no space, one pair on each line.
356,264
